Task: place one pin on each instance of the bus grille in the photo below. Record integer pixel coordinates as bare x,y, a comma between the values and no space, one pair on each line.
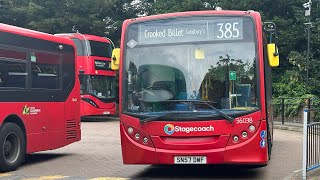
71,124
71,134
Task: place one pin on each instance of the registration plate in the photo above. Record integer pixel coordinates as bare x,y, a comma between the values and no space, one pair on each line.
106,112
190,160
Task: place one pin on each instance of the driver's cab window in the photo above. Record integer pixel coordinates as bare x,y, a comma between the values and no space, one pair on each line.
82,84
156,85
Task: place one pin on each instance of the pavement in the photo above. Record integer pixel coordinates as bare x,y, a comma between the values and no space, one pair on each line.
297,175
291,126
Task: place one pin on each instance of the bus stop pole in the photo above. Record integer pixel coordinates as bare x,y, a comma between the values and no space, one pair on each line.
304,150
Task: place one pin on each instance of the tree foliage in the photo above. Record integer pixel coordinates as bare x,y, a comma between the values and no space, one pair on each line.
105,17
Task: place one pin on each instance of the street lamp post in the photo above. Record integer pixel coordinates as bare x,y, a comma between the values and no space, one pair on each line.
307,6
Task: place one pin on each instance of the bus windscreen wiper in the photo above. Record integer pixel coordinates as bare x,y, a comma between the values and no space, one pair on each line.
226,116
142,121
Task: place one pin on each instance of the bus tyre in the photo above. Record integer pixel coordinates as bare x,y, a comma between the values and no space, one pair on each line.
269,145
12,147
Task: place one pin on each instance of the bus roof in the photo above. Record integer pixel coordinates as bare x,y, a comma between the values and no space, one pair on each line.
34,34
195,13
84,36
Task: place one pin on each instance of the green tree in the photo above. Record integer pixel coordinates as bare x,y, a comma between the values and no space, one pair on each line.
105,18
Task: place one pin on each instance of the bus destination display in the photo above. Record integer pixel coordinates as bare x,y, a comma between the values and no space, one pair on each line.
190,31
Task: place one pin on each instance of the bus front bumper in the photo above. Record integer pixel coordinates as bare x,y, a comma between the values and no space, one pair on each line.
247,153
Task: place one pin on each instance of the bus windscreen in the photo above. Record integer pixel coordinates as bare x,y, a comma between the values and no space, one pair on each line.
211,59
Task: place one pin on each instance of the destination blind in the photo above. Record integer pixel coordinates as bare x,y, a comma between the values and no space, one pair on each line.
175,31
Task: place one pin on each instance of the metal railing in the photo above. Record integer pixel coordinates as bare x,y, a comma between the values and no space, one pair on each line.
311,143
291,109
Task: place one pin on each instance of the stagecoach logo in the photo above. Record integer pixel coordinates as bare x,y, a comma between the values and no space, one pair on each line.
30,110
25,110
170,129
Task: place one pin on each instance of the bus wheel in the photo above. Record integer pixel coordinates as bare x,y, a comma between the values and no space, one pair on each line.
12,147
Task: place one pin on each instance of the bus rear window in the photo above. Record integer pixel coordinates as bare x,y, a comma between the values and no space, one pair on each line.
100,49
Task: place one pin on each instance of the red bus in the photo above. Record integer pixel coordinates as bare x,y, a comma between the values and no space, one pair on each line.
97,79
195,88
39,94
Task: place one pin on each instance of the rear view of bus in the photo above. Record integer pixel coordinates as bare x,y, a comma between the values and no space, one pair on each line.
195,88
96,77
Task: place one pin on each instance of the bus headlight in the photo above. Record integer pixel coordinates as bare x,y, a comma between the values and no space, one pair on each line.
145,140
137,136
252,128
244,134
130,130
235,138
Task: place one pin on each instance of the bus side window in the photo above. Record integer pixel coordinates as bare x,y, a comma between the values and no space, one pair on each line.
16,75
13,68
45,70
3,74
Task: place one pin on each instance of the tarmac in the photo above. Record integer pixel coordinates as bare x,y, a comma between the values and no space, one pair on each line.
297,175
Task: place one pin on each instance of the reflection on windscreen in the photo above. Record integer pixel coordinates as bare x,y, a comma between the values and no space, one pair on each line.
167,77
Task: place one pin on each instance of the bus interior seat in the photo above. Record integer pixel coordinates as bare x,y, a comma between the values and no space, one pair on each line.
36,69
43,79
13,78
50,70
16,68
166,85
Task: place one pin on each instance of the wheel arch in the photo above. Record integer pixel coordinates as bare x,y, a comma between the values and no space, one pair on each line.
13,118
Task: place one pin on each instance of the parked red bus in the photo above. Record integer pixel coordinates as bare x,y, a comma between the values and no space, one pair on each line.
39,94
97,80
195,88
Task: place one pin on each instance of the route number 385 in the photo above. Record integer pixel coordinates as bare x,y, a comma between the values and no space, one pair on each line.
228,30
